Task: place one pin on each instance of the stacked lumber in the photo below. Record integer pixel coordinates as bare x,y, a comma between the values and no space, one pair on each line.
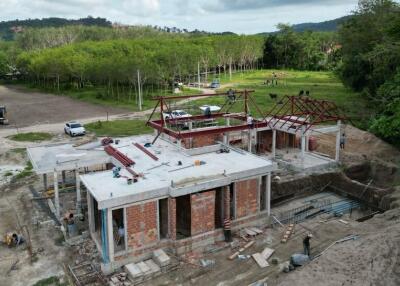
288,233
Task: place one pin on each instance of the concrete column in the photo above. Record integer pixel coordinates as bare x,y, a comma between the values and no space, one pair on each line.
255,140
110,235
249,142
78,192
303,142
56,195
179,143
307,143
45,185
64,180
337,153
225,139
268,194
273,144
228,121
191,138
90,212
126,230
227,203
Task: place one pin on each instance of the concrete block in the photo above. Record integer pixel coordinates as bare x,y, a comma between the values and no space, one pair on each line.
133,271
143,267
161,258
154,268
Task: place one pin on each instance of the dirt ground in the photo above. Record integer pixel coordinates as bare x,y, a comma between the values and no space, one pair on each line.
360,146
370,260
25,108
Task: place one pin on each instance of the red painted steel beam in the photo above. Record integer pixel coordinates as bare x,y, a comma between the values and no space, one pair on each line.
143,149
200,95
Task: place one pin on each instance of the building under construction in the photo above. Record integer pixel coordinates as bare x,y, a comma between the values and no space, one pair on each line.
174,189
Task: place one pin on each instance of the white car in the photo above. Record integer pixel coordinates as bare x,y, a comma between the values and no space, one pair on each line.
176,114
74,128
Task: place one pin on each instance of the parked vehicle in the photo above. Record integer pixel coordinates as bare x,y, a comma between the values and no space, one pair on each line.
3,115
176,114
74,128
215,83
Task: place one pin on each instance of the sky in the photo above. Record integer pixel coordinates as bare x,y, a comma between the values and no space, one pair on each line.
239,16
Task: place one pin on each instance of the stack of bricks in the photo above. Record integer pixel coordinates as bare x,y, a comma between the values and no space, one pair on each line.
202,212
246,197
142,224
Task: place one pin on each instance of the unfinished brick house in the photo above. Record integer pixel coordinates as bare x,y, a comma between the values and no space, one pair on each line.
173,197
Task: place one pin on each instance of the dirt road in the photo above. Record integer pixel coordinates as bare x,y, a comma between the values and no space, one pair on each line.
42,112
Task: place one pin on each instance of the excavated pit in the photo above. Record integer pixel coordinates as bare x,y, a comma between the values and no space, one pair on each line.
332,193
377,174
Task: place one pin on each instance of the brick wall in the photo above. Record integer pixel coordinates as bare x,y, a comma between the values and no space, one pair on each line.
264,140
246,197
202,141
203,212
142,224
172,218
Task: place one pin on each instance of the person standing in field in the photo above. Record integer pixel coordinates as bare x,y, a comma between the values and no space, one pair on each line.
342,141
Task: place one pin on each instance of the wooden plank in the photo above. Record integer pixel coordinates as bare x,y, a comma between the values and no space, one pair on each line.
249,244
250,232
256,230
234,255
267,252
260,260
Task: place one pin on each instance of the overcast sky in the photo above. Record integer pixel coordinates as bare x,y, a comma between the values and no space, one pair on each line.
240,16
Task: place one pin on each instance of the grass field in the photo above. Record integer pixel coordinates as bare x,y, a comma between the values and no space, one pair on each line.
118,128
31,137
321,85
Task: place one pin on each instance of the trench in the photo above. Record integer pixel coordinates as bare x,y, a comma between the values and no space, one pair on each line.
333,194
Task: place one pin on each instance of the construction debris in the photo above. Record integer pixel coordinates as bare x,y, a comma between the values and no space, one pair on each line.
247,245
261,258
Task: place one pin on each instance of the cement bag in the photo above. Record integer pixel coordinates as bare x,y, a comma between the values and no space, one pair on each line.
299,259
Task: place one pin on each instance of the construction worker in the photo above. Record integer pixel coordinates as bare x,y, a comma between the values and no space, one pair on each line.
18,239
250,121
231,95
306,244
227,230
342,141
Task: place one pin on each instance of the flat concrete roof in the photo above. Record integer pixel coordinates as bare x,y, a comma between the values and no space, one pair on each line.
63,157
162,178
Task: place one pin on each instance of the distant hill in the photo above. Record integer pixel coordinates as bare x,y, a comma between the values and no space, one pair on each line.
327,26
8,29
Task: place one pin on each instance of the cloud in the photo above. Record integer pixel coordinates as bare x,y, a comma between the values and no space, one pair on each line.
240,16
238,5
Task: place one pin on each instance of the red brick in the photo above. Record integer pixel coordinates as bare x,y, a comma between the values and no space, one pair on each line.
142,224
202,212
246,197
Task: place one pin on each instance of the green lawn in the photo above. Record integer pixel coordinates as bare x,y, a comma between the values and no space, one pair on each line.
31,137
118,128
322,85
